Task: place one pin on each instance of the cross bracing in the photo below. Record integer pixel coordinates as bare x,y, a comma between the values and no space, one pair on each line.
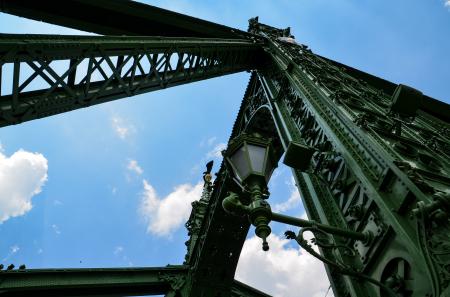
378,165
82,71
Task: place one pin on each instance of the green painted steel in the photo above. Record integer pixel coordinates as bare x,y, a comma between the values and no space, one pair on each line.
242,290
378,156
80,71
134,281
373,169
100,16
99,281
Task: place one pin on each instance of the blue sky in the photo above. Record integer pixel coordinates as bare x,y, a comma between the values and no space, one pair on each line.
94,168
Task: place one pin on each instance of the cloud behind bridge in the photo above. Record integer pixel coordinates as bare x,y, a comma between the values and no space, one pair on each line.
22,176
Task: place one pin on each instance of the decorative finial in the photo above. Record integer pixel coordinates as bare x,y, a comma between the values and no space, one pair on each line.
207,174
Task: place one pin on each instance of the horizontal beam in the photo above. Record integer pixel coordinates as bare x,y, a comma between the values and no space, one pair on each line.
118,17
17,46
45,75
91,281
103,282
242,290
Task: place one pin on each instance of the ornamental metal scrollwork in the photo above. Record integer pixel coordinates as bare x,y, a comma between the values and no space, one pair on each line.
176,282
323,240
433,228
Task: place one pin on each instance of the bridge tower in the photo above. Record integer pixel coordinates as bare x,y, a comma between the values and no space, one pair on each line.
377,154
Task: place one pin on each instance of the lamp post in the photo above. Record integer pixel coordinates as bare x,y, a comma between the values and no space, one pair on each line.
252,160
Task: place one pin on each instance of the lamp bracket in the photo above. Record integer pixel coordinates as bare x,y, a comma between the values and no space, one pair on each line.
339,267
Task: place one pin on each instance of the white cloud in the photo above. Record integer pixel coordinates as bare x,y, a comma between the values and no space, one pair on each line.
122,128
282,271
134,166
22,176
118,250
167,214
56,229
294,199
12,251
211,140
216,152
447,3
208,142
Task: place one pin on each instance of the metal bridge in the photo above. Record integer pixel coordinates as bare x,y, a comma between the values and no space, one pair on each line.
381,161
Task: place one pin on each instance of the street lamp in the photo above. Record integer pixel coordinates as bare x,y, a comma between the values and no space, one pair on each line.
251,157
252,160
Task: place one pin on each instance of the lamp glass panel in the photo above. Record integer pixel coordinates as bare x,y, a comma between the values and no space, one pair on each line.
257,155
269,168
240,162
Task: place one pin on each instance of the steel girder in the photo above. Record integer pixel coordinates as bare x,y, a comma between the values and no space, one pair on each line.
134,281
93,282
362,178
118,17
216,242
242,290
80,71
377,167
215,246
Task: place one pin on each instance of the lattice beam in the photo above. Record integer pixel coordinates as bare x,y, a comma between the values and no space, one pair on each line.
53,74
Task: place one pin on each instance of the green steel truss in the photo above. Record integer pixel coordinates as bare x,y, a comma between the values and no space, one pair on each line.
376,168
97,281
136,19
381,163
105,281
80,71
